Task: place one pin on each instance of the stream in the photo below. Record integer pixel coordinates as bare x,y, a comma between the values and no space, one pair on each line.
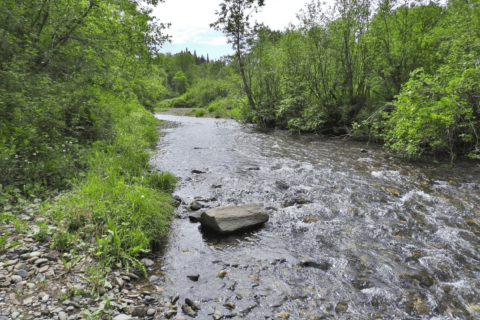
354,233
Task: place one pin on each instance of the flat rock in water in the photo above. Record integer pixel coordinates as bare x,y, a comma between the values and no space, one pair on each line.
195,217
234,218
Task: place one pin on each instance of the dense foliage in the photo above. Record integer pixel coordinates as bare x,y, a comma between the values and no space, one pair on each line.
196,82
404,73
76,80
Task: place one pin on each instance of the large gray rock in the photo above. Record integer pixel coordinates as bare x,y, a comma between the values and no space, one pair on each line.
233,218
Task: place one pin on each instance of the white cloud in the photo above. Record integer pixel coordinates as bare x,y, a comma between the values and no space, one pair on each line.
190,19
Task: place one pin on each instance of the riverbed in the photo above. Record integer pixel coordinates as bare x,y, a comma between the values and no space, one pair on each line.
354,233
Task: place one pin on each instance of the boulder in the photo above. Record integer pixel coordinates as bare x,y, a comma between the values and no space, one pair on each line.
233,218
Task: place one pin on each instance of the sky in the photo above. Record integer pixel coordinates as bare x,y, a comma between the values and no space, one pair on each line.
191,20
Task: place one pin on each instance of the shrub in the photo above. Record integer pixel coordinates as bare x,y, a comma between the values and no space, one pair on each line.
200,113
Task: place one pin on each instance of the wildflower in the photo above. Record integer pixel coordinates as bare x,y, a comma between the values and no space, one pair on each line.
143,196
34,154
63,145
63,150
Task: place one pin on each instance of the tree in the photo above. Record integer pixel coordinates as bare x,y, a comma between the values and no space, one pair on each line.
234,21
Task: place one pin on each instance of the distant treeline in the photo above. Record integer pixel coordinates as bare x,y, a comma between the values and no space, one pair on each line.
405,73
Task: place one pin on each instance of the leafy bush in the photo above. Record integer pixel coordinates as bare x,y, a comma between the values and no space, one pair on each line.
200,113
436,112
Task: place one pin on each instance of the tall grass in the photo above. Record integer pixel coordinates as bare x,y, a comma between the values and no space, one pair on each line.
119,201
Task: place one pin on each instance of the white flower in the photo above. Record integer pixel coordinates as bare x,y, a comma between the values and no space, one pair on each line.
63,150
34,154
143,196
63,145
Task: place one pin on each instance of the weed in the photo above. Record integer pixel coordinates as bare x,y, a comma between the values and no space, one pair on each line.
3,241
20,226
42,230
200,113
164,181
73,261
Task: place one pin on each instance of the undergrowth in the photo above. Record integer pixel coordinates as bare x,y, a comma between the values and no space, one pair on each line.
118,205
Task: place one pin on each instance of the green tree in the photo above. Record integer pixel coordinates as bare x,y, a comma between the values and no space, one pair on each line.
234,20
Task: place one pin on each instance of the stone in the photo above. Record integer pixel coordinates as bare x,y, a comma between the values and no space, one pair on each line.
174,299
193,277
119,281
151,312
62,316
45,298
53,255
341,307
147,262
154,278
6,283
22,273
217,315
40,261
311,218
169,313
19,287
192,304
195,206
137,311
230,219
281,185
230,305
40,277
15,315
283,315
122,317
180,318
188,311
43,269
222,274
195,217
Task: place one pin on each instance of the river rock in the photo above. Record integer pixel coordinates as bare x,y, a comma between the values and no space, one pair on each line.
195,217
193,277
62,316
170,313
195,206
137,311
188,311
122,317
147,262
283,315
341,307
311,218
233,218
192,304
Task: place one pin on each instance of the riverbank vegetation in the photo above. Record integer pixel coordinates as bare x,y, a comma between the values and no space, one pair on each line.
78,83
404,73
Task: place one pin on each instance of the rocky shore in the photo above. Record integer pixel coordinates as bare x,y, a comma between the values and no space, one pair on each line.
37,282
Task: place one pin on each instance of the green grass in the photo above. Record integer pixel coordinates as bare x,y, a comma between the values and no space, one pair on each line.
119,202
200,113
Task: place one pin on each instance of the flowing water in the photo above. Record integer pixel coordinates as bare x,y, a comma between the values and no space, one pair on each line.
351,235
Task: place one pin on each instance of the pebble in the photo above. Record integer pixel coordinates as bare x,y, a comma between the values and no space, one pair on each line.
122,317
15,315
192,304
283,315
154,278
151,312
19,287
62,316
193,277
217,315
40,261
170,313
188,311
174,299
222,274
22,273
16,279
147,262
43,269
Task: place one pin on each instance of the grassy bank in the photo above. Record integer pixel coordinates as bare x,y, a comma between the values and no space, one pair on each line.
119,207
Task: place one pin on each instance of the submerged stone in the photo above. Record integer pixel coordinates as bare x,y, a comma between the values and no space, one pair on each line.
234,218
